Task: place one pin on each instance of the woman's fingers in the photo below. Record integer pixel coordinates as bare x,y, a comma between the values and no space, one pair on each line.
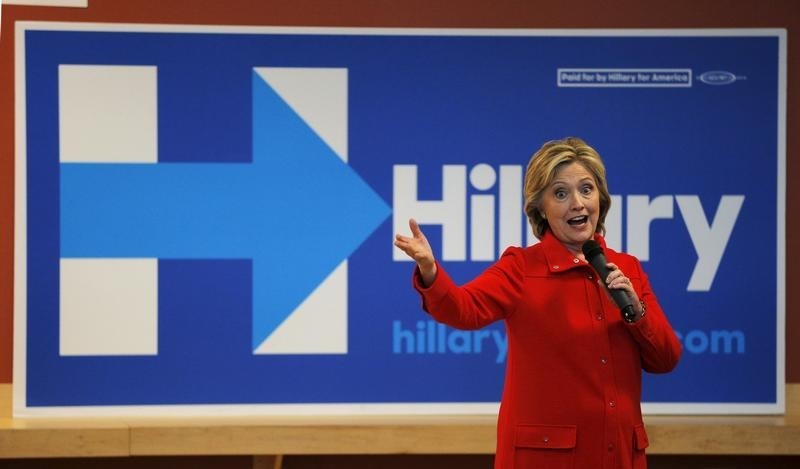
416,232
416,246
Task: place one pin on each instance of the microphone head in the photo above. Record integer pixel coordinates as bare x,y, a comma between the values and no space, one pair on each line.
591,249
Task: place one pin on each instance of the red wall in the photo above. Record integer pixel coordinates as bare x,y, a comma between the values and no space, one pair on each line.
416,13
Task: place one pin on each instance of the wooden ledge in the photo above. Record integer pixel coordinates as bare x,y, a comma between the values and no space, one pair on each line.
724,435
685,435
328,435
52,438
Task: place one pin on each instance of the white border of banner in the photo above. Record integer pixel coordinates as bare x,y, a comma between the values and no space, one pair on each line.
48,3
20,407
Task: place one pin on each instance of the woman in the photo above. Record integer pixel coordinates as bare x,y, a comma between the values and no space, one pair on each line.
572,389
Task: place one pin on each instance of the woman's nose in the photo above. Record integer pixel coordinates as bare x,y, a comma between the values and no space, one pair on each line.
577,203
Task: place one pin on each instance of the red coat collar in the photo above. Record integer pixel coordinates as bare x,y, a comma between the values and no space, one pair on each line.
559,259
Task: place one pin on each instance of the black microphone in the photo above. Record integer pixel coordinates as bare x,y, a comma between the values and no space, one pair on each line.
594,255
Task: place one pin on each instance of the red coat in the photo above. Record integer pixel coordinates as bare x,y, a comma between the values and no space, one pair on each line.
572,389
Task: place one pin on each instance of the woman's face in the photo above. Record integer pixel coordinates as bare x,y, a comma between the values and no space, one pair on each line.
571,205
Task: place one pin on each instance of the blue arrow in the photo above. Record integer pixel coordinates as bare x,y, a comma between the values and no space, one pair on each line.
297,210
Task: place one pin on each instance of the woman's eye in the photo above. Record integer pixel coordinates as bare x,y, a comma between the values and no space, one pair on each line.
561,195
587,190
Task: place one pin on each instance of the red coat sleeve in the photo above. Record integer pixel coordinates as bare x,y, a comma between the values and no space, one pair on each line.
491,296
659,345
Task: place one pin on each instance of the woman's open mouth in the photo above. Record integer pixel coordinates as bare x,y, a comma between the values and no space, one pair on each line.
577,221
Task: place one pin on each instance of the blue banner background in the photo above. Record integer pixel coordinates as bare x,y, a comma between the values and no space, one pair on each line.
428,101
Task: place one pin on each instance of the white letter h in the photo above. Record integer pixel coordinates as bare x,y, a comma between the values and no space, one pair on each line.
450,212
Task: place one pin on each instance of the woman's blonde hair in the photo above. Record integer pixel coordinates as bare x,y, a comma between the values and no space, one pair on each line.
544,165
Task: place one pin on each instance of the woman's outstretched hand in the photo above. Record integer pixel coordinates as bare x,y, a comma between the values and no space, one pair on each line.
418,248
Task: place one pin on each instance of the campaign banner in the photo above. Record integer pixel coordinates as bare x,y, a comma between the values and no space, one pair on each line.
205,215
